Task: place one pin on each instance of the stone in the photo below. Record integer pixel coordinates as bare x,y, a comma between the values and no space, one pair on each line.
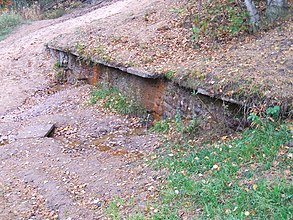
143,74
36,131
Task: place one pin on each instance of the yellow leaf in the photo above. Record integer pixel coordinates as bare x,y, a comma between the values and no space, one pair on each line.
254,186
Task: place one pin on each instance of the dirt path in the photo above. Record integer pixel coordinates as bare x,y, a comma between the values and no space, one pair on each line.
93,156
24,65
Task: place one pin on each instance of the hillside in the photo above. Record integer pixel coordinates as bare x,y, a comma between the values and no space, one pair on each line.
97,163
154,36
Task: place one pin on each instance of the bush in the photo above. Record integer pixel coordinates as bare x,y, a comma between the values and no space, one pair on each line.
216,21
8,21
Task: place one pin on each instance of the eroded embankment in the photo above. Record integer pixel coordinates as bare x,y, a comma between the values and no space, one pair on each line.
157,94
255,70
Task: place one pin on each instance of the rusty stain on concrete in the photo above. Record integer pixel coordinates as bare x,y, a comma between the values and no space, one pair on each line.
96,74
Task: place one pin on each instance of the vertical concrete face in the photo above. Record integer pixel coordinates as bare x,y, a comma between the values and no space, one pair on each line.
96,76
147,92
154,97
183,101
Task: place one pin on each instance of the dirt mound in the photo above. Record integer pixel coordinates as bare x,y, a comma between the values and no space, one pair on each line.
152,36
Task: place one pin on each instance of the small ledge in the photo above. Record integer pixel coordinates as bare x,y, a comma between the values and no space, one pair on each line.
143,74
223,98
130,70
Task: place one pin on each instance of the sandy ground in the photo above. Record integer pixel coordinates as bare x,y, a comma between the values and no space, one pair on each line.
93,156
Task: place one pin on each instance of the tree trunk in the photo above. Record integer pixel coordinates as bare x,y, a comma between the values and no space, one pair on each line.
254,16
276,8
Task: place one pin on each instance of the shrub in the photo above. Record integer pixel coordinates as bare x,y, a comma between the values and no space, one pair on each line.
8,21
217,21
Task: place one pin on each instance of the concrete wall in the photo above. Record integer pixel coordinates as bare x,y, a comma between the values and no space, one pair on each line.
160,96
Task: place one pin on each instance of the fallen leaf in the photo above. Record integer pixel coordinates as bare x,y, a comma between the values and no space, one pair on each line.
254,186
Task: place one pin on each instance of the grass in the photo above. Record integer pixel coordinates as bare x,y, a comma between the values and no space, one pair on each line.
187,127
113,99
8,21
247,177
217,21
115,207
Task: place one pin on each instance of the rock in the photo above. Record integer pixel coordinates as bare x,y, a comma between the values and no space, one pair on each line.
36,131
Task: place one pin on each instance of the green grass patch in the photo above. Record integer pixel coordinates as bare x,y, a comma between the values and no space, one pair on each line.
115,100
8,21
185,127
117,207
247,177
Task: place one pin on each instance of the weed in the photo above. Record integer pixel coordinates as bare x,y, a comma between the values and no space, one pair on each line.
60,73
162,126
194,93
87,52
80,47
8,21
65,212
198,74
54,13
30,12
57,66
217,22
261,118
170,74
273,111
113,99
178,10
130,63
192,127
195,32
185,127
114,208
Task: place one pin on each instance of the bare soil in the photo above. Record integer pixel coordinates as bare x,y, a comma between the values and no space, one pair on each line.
155,36
93,155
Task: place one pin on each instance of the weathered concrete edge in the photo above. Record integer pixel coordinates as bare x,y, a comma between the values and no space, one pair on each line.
130,70
145,74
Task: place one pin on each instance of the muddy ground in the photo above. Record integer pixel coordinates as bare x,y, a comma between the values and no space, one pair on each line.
93,156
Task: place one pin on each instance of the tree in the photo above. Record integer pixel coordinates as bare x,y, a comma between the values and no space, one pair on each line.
253,14
276,8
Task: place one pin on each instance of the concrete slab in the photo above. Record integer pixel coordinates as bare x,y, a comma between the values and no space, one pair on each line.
36,131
